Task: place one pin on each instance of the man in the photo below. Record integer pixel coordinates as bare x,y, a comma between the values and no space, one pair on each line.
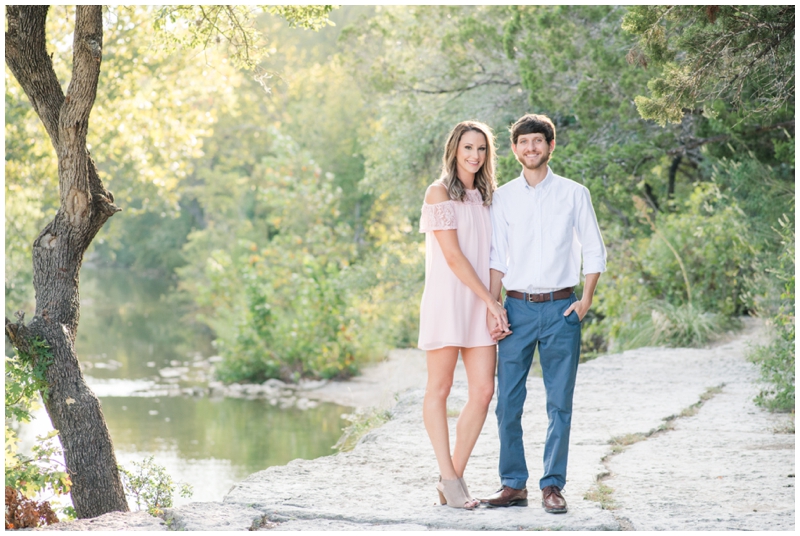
541,224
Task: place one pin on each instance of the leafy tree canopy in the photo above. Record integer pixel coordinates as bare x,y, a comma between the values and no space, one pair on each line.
743,54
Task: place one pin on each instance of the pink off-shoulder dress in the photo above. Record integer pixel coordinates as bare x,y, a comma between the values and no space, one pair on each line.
450,313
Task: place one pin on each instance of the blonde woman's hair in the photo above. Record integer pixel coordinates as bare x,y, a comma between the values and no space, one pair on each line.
484,178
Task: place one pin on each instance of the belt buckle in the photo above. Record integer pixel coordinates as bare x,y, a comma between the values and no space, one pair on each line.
535,298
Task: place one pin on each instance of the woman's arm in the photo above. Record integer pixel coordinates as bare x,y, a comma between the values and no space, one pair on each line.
459,264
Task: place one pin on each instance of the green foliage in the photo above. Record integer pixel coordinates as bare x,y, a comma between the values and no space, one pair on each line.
146,129
324,113
24,382
25,377
743,54
268,270
150,486
763,192
290,217
777,358
571,63
232,27
712,239
158,105
421,78
41,471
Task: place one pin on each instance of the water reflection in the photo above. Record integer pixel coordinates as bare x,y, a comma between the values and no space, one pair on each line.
131,328
251,433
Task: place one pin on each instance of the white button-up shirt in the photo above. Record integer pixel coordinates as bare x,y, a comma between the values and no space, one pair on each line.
539,233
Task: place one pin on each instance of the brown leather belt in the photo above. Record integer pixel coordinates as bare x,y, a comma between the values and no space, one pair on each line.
562,294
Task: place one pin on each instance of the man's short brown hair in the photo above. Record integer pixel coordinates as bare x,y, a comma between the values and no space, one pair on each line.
533,124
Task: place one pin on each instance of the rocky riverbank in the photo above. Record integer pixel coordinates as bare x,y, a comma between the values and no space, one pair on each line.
662,439
377,386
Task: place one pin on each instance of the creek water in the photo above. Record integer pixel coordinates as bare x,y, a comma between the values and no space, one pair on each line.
130,330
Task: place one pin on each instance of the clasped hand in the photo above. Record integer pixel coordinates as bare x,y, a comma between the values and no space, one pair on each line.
497,321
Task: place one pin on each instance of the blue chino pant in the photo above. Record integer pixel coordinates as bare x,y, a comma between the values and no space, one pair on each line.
559,341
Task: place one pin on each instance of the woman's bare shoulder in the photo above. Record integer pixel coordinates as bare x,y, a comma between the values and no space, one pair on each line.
436,193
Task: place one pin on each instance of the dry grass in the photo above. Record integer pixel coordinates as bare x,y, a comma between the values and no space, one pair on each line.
601,493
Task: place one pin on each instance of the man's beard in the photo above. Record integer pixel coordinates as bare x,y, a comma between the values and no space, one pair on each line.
542,162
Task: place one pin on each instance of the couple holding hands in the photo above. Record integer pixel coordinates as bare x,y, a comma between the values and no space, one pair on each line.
527,236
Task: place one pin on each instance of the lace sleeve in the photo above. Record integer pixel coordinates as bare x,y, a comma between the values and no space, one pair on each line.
437,217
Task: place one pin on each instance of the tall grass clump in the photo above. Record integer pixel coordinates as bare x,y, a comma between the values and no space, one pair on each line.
660,323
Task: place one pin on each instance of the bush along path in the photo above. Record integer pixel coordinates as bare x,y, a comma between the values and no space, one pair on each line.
661,439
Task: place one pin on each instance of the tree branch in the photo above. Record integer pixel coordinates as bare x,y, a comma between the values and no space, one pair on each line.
697,143
26,56
87,52
74,165
466,88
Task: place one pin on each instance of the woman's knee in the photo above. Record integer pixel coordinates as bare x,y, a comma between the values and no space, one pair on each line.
438,389
482,394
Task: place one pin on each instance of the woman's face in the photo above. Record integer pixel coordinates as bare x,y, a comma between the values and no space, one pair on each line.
471,153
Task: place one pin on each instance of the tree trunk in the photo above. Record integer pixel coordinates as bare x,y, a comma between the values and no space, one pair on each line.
85,205
673,173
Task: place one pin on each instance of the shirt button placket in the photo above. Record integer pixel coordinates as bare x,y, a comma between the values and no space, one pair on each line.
539,237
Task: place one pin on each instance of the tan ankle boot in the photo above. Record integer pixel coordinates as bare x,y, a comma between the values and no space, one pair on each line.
452,494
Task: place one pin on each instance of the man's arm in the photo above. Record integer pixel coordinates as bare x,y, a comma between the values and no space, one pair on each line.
593,250
582,306
498,255
495,283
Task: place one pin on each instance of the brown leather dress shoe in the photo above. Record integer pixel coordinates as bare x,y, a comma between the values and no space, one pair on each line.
552,500
507,497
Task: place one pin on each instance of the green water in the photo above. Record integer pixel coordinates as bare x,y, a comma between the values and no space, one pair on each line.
130,328
250,433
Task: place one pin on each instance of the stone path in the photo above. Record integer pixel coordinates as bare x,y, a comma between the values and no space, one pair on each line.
723,465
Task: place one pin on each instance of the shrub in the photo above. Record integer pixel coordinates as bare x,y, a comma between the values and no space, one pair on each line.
776,359
149,485
42,471
270,273
713,240
705,252
361,422
303,328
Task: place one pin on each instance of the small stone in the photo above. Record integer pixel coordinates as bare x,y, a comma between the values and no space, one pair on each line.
274,382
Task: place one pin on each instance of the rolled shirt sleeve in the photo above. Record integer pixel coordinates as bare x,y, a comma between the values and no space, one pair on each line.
588,234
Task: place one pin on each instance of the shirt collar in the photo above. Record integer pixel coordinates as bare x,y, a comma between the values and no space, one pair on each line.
548,179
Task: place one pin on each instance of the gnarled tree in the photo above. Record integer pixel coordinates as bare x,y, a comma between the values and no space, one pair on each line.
84,207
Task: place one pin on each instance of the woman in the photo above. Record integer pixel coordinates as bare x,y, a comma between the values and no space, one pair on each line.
458,232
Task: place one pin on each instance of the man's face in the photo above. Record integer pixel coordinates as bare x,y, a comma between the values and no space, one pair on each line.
532,150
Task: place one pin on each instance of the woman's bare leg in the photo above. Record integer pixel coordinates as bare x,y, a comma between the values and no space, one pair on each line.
441,365
480,365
